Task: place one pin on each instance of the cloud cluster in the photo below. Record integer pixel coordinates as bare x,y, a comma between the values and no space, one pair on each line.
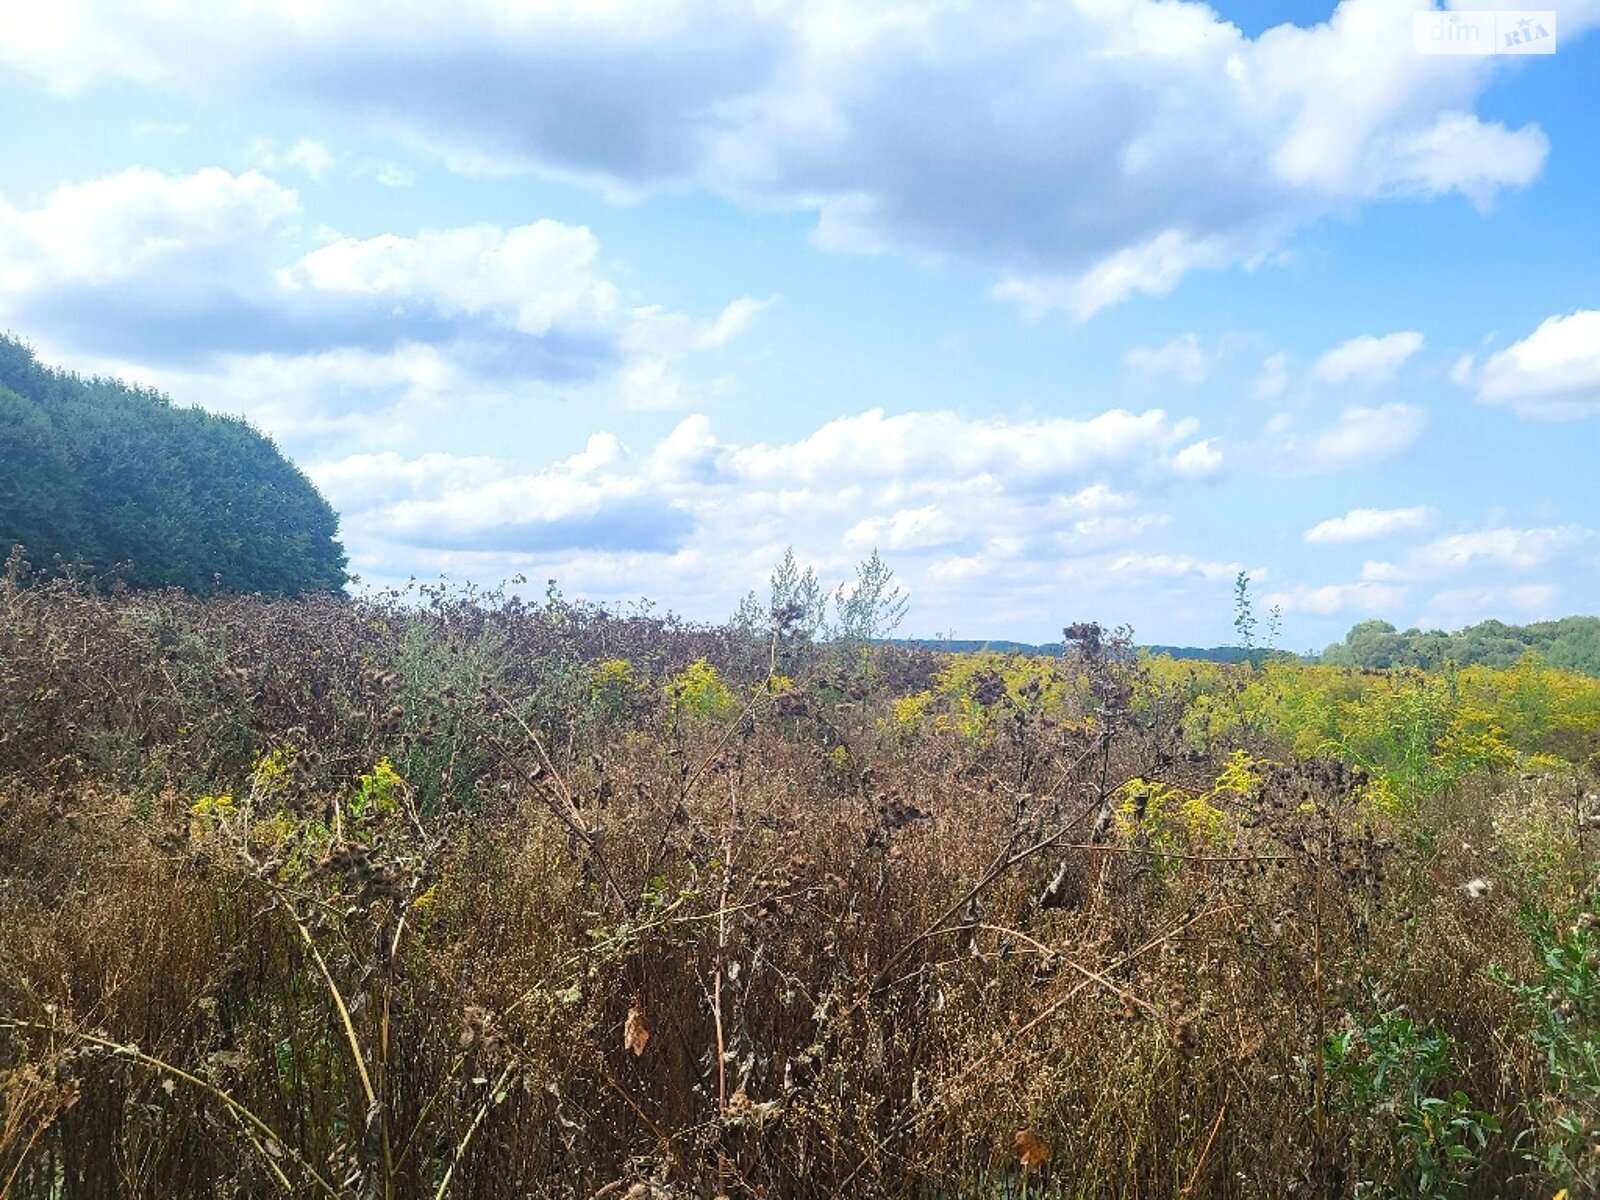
220,278
143,259
1367,524
952,499
1367,360
1359,436
1504,553
919,479
1553,373
1084,152
1503,549
1451,578
1365,598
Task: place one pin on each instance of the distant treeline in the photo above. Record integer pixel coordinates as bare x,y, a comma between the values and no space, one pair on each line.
117,482
1226,654
1572,643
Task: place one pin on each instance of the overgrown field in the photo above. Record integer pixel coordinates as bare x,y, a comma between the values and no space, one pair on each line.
451,895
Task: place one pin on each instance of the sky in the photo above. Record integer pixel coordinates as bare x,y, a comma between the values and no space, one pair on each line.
1073,310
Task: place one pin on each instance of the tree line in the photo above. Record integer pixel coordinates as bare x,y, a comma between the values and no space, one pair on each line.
116,481
1572,643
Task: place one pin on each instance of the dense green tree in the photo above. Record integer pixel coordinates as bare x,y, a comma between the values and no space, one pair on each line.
1572,643
41,505
119,481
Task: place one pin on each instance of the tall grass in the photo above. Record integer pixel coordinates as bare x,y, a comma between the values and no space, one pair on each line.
413,900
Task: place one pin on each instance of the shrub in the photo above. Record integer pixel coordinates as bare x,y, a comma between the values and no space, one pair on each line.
698,691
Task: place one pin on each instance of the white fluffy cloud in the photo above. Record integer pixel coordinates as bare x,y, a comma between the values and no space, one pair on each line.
1504,548
195,233
949,498
1359,437
306,155
1364,597
1367,360
1554,372
924,528
1454,579
1452,608
1174,566
531,278
362,482
924,449
1367,524
221,280
1487,554
1085,152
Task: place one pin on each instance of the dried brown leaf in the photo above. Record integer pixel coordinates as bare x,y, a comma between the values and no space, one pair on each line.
635,1033
1031,1152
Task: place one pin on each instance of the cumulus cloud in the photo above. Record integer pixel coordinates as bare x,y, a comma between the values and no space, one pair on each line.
1454,579
1359,437
1486,553
923,528
1149,268
530,278
307,155
1199,460
1453,608
1503,548
1084,152
360,482
948,497
1552,373
1379,571
1173,566
591,500
195,233
220,278
1367,524
1366,359
1365,597
928,447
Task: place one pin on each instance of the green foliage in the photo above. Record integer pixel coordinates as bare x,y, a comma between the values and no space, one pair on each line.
872,606
1167,817
1545,713
798,607
436,672
1416,734
115,479
1401,735
698,691
377,796
614,689
462,846
41,500
1572,644
1385,1078
794,617
974,692
1244,614
866,610
1560,1013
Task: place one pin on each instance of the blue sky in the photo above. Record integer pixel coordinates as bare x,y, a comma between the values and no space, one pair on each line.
1072,310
